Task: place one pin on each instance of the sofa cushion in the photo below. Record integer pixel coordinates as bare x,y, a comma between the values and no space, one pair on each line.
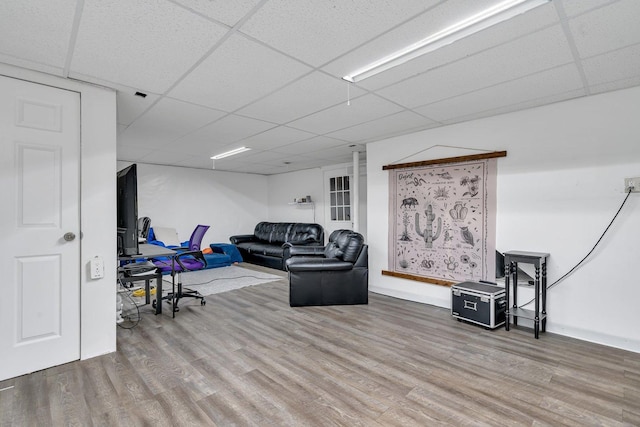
300,234
272,232
264,249
351,247
332,251
344,245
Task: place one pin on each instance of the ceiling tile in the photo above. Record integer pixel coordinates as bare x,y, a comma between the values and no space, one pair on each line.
130,106
311,93
165,157
238,72
613,66
139,137
44,28
438,18
384,127
198,162
535,102
269,157
250,168
228,12
312,145
540,85
216,137
577,7
536,52
275,137
614,85
318,31
262,70
607,28
145,45
167,121
130,153
363,109
31,65
341,154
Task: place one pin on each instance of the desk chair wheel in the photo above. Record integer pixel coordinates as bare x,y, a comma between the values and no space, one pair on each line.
203,302
153,303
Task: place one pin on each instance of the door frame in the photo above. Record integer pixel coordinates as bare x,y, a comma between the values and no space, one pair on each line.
98,126
345,169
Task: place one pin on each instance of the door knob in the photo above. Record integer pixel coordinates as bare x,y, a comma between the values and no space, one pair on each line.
69,236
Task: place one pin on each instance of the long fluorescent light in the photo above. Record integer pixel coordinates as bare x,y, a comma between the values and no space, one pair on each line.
502,11
230,153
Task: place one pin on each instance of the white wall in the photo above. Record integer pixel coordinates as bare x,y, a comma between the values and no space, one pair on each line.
558,188
97,208
231,203
181,198
284,187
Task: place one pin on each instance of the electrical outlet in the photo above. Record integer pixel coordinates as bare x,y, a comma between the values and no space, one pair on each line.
96,267
633,183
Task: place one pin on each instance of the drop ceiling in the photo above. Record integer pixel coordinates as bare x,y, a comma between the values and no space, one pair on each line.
266,74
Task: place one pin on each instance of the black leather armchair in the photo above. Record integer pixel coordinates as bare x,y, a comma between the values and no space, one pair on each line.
335,274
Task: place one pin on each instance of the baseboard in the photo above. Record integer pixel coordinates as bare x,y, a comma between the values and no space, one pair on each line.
595,337
568,331
438,302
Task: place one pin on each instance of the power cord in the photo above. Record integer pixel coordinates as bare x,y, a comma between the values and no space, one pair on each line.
575,267
213,280
132,319
219,278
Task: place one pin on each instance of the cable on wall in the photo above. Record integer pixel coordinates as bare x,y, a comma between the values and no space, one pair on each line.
575,267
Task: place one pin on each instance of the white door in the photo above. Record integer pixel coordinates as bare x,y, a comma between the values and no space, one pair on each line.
338,196
39,190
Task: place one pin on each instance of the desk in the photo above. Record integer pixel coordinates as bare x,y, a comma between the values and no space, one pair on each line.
539,260
149,251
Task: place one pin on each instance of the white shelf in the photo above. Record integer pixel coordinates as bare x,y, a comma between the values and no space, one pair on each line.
312,204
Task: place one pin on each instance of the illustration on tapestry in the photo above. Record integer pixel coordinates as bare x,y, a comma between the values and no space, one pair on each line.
443,221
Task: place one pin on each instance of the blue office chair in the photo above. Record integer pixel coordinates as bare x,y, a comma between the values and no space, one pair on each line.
188,258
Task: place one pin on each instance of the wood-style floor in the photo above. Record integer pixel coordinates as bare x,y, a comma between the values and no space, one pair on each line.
247,358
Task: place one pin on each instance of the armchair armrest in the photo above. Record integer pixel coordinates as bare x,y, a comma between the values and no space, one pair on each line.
242,238
297,264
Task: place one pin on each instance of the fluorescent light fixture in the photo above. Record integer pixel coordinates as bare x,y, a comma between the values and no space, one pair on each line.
230,153
496,14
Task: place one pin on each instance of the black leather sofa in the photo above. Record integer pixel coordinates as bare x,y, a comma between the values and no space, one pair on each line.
270,242
333,275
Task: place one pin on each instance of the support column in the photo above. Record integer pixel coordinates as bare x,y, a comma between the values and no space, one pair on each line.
355,193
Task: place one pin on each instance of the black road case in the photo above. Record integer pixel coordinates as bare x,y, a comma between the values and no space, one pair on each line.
478,303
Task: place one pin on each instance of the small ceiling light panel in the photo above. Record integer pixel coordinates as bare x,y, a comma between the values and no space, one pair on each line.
230,153
500,12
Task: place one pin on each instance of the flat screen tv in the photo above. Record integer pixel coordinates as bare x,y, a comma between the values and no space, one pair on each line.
127,181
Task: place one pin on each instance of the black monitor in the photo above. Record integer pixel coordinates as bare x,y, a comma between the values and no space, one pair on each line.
127,181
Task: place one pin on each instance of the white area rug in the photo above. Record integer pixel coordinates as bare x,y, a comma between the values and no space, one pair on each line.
223,279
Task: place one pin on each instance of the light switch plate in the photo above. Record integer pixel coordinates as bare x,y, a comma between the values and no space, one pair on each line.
97,268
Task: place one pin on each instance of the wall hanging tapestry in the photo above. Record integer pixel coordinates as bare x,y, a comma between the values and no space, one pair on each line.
442,219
